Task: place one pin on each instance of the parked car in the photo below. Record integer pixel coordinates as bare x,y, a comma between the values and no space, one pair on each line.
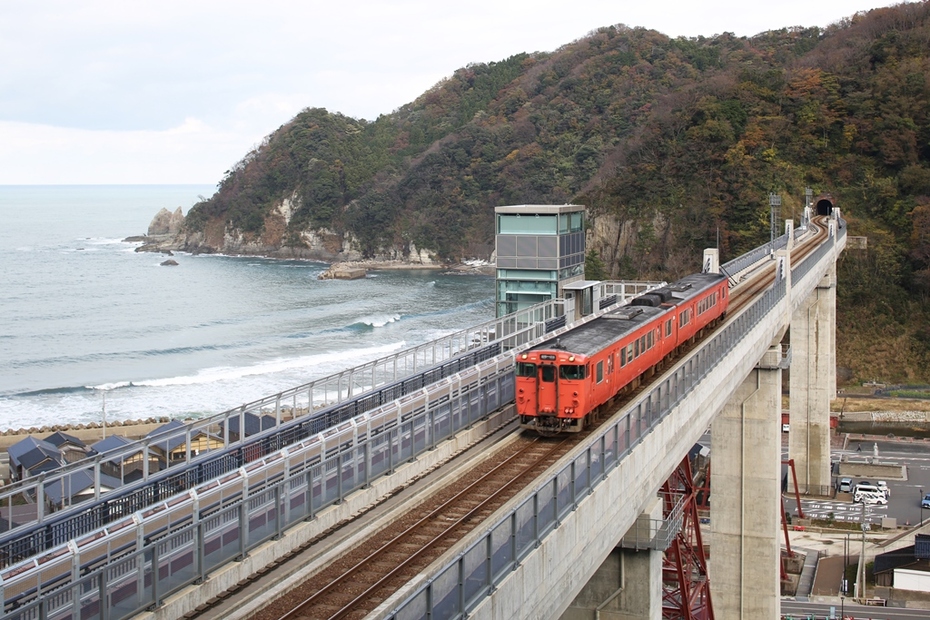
870,497
844,485
925,502
868,487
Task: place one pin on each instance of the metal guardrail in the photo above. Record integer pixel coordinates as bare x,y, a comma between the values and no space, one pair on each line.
429,415
143,574
512,330
460,585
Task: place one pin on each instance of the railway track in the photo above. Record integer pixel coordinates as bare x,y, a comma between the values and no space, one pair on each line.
746,292
356,583
372,571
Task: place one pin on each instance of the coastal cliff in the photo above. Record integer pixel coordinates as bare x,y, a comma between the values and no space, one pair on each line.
167,233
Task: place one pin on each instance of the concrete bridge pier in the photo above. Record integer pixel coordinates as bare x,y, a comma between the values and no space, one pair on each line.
812,384
628,584
746,484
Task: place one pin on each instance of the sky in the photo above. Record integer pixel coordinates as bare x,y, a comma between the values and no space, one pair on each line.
178,91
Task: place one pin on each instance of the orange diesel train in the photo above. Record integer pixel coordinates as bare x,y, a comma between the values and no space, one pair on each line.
561,382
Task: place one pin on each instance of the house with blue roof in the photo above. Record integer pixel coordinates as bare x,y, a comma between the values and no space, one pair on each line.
32,456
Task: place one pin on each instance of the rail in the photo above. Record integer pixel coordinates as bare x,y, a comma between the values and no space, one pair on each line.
319,471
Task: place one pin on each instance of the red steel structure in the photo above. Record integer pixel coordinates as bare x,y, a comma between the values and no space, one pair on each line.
685,585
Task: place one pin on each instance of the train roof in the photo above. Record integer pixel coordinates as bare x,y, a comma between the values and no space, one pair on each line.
591,337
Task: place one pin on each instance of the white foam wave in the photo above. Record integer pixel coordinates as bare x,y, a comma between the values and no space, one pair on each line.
106,387
380,320
344,359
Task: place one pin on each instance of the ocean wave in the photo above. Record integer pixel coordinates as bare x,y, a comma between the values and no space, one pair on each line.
344,359
74,389
107,387
377,320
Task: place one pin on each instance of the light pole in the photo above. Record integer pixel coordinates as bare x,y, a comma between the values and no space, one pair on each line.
921,507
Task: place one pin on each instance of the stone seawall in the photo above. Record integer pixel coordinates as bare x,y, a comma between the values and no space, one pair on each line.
88,433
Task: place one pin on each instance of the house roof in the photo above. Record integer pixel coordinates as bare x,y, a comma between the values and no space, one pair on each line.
34,455
58,439
173,435
900,558
253,423
114,442
74,483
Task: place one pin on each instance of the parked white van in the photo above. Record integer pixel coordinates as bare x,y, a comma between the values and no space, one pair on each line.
870,497
871,488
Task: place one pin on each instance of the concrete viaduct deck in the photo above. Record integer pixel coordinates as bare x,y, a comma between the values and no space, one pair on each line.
738,395
549,545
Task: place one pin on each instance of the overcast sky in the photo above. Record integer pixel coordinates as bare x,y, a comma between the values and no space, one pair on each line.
177,91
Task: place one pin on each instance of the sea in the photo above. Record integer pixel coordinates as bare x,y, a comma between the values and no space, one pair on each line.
90,327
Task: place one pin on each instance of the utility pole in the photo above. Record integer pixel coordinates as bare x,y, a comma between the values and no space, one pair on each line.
860,575
774,203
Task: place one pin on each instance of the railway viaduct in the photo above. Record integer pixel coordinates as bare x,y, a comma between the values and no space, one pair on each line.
588,540
585,569
603,557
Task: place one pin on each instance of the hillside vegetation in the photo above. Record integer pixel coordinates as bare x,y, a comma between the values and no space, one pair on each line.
672,144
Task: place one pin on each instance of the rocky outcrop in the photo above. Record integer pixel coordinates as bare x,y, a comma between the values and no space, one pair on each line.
276,240
166,223
343,271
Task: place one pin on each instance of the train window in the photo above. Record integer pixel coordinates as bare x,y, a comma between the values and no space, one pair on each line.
684,318
600,371
622,357
525,369
650,340
636,348
571,371
548,373
668,328
610,363
629,353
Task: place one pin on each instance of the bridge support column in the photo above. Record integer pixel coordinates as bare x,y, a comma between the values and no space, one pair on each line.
745,493
628,585
812,384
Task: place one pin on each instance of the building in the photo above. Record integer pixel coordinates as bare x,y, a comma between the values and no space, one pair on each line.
253,424
540,249
170,442
122,463
31,456
72,449
907,568
76,487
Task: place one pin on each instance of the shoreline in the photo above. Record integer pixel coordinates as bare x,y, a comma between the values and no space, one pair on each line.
160,244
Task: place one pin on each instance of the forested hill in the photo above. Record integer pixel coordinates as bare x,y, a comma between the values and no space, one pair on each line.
672,144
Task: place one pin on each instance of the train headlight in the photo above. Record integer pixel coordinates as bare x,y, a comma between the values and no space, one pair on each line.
571,358
523,356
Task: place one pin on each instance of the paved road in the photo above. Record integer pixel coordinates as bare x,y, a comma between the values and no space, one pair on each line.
800,610
904,503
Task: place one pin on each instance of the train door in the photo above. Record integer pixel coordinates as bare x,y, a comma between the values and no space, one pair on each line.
547,389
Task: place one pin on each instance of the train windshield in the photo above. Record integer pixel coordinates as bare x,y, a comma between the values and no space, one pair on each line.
571,371
548,373
525,369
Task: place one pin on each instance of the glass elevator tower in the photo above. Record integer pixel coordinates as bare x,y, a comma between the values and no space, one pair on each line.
540,249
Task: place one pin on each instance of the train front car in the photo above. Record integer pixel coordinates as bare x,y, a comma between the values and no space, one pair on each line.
551,391
564,382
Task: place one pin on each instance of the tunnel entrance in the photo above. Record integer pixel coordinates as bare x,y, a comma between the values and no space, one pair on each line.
824,205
